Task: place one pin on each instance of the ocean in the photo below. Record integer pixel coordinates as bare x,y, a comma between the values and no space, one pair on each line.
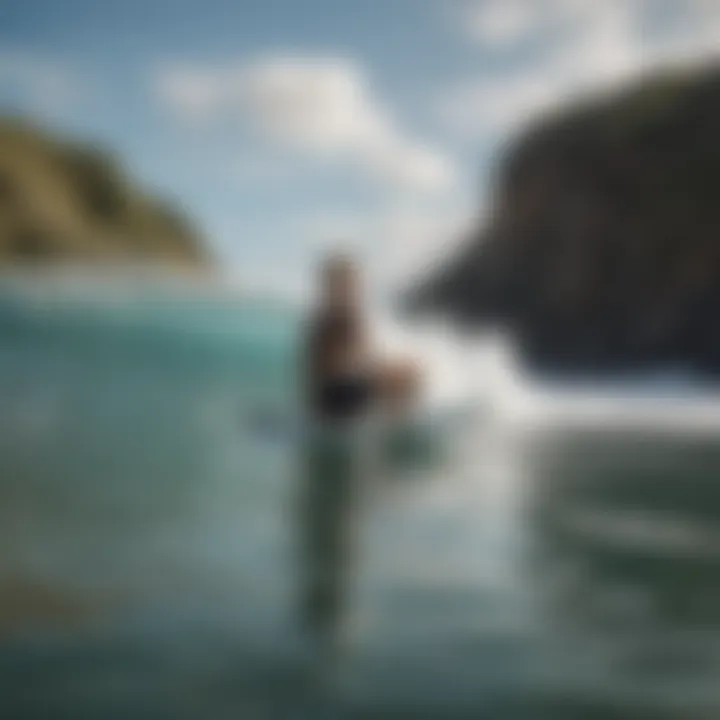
563,562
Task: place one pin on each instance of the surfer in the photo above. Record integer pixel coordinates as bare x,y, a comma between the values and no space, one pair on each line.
344,385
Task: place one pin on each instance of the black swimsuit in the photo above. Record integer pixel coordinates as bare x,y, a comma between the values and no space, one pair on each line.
344,397
337,395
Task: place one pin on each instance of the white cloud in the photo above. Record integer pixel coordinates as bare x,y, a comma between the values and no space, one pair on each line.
320,106
502,23
585,46
197,94
499,23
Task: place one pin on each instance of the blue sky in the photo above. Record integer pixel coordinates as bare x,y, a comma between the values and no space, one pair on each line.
285,125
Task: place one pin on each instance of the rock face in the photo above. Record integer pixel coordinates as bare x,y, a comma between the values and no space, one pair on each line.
603,253
61,200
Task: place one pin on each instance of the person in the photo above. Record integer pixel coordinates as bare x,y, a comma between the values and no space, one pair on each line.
344,385
340,376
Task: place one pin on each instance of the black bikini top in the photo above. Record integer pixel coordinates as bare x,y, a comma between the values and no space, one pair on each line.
344,396
337,395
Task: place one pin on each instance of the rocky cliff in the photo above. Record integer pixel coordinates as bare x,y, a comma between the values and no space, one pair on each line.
65,201
603,251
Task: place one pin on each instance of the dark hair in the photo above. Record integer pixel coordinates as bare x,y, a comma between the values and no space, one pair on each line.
337,264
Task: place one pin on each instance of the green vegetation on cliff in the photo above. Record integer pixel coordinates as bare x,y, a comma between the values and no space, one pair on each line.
65,201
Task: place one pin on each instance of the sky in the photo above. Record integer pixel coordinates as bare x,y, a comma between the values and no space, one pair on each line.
289,126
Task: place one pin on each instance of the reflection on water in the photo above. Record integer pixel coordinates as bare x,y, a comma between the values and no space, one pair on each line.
628,560
147,566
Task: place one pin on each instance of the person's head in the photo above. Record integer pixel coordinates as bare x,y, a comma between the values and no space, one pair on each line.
340,281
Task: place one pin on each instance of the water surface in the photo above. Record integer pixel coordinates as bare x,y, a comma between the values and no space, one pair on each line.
553,570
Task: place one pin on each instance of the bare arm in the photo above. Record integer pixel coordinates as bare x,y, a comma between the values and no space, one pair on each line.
399,383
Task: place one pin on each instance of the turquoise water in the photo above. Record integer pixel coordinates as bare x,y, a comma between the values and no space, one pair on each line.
148,549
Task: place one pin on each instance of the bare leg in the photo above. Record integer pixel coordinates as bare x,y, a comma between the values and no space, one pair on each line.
328,509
